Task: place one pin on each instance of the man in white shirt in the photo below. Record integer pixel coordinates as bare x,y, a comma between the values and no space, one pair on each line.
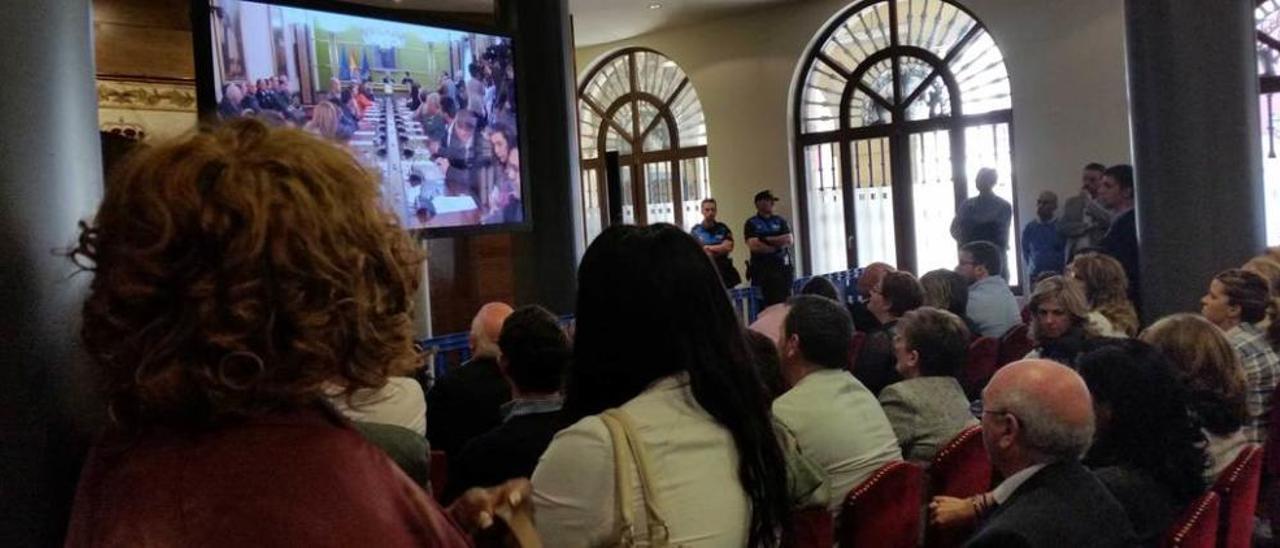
1037,423
837,423
992,306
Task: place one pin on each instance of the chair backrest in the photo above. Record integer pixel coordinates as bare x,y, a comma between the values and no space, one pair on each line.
961,469
1238,487
439,473
1198,525
1271,453
1015,344
980,365
884,510
811,528
855,348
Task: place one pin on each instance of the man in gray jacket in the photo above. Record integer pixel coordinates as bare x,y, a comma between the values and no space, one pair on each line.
1084,221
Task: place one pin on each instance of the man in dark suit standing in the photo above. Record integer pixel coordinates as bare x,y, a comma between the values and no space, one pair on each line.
1037,423
1121,240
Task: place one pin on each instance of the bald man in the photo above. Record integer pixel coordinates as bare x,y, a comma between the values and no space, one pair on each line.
1037,423
467,401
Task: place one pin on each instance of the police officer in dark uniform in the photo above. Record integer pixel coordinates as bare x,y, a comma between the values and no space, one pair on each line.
717,242
769,237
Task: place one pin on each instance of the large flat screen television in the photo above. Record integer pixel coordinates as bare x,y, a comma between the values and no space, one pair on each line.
430,109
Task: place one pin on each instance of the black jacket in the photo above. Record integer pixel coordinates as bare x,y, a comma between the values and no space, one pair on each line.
507,452
465,403
1061,505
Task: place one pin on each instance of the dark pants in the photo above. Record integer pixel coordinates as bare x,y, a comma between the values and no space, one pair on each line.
774,282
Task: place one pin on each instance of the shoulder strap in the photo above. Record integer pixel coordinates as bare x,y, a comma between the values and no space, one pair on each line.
659,534
621,479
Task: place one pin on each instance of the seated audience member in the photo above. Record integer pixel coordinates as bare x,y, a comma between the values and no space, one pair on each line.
468,400
219,433
1148,449
768,363
1206,364
821,287
399,402
836,421
991,304
946,290
535,354
895,295
230,106
1236,302
769,321
1037,423
863,319
929,408
1043,249
1059,320
1107,289
664,366
1269,269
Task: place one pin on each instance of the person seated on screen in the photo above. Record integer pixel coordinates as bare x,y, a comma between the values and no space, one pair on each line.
461,149
266,98
232,97
214,335
432,117
928,408
325,121
360,99
535,356
283,93
512,203
250,100
335,89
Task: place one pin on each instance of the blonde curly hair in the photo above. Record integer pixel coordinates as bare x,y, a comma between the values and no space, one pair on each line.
240,271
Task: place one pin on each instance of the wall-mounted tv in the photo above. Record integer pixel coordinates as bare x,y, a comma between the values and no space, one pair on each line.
430,109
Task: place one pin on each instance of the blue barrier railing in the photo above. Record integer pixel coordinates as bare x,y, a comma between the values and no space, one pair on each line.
449,351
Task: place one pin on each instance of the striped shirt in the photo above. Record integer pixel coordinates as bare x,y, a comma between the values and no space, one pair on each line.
1261,373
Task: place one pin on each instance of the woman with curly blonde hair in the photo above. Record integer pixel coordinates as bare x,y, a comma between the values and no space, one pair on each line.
1059,320
1207,365
1106,287
238,274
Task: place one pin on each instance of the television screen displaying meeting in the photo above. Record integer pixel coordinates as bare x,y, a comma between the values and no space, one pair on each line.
431,111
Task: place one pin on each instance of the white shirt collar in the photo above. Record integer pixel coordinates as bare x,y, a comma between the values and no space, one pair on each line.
1006,488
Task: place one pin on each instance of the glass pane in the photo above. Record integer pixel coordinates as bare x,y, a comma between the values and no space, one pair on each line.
615,142
846,50
873,202
1267,15
657,75
934,101
647,113
980,72
591,200
934,199
988,146
659,138
622,117
826,208
934,25
628,199
690,124
1270,115
588,125
657,195
609,83
868,29
879,78
820,107
695,186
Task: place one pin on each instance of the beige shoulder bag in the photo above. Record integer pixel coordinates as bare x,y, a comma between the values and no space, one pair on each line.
627,448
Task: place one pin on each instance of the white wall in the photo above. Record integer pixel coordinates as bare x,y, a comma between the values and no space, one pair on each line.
255,26
1065,60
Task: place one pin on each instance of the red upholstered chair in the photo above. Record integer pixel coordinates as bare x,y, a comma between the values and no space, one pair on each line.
813,528
961,469
855,348
1015,344
1238,487
1271,454
980,365
884,510
439,473
1198,525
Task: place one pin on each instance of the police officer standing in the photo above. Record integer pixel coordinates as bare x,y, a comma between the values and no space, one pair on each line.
769,238
717,242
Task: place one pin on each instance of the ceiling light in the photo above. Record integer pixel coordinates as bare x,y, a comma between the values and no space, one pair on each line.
655,6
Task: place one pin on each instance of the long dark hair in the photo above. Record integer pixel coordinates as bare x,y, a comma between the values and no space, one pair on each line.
1151,427
650,305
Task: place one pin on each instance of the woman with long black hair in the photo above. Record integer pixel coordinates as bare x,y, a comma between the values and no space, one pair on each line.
662,367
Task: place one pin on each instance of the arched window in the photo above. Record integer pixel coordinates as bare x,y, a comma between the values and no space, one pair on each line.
901,102
1268,17
640,106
